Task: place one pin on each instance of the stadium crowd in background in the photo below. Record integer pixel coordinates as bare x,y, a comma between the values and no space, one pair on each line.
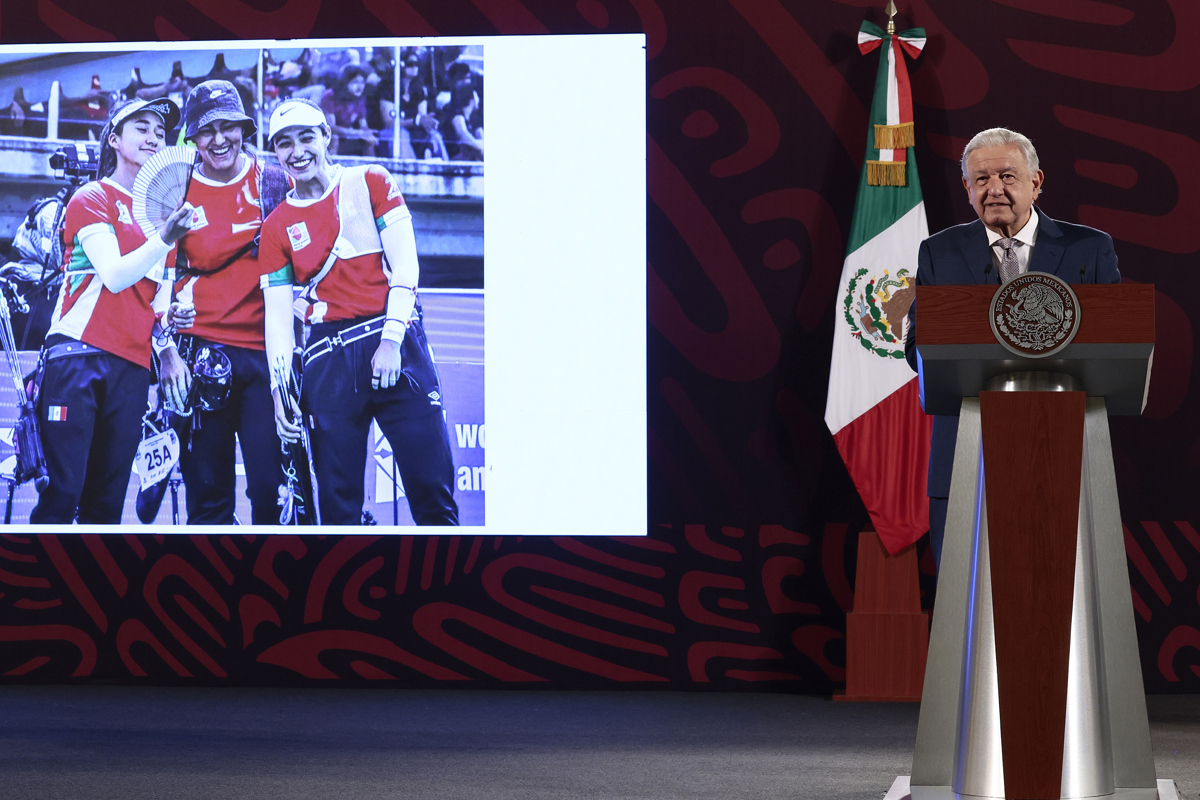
440,99
357,90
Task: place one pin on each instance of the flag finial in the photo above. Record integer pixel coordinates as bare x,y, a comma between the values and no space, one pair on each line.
890,10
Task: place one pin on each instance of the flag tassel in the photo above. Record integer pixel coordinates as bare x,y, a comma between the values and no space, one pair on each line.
886,173
894,137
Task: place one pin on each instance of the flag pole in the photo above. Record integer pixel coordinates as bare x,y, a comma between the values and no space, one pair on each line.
887,634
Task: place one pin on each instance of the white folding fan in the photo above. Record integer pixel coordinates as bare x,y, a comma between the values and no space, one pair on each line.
161,186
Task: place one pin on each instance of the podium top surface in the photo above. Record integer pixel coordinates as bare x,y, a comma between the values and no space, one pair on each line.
1111,353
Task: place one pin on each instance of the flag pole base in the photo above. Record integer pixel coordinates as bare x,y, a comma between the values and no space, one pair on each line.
887,634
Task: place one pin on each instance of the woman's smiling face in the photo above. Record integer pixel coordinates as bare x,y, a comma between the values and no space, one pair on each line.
302,151
141,136
219,144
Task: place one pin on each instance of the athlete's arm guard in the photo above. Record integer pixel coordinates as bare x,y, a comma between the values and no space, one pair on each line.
118,271
279,334
400,247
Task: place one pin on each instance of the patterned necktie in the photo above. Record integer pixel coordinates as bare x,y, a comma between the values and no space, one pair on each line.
1009,268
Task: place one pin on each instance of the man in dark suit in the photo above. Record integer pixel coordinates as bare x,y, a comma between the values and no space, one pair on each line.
1011,237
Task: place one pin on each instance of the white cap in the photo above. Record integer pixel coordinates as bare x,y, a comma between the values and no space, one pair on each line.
164,107
294,113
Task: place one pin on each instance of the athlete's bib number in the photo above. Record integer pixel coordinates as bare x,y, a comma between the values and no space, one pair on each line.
157,456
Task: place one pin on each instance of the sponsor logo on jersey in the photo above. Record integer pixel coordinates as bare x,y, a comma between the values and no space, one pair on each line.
393,189
298,235
199,219
123,214
56,413
435,399
242,227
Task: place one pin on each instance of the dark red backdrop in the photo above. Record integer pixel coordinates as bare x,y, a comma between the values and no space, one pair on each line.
757,121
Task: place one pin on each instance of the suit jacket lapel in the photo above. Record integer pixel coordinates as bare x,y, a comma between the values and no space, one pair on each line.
976,254
1048,251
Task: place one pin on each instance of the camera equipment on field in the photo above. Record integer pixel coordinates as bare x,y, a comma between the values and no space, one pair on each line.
161,186
298,496
37,249
31,461
76,163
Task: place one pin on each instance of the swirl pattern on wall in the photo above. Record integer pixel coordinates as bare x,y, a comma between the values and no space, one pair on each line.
756,118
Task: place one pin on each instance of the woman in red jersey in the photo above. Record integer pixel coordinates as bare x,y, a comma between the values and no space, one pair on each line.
98,349
346,235
218,273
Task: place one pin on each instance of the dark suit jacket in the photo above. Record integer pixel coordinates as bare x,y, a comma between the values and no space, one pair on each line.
961,256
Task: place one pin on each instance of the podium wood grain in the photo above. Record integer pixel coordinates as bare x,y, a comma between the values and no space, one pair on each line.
1033,452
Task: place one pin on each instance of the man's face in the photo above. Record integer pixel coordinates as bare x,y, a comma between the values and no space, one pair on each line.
1000,188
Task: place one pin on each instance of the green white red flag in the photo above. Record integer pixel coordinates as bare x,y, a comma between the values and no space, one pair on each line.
873,407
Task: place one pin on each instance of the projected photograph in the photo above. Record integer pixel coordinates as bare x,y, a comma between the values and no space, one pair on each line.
243,284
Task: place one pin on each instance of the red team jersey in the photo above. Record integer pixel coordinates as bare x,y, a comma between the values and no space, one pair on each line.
298,237
117,323
229,304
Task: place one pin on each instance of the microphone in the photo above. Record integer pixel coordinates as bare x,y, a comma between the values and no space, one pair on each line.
986,272
1082,272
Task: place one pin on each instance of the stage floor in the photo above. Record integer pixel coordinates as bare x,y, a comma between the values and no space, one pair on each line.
123,742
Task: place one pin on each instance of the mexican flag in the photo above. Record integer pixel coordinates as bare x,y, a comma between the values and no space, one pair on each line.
873,408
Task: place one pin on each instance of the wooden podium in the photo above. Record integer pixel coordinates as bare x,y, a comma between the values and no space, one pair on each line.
1033,686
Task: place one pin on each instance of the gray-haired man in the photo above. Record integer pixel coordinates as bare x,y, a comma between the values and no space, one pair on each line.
1001,174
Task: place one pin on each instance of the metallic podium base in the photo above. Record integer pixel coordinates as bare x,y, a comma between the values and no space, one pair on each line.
1167,790
1107,736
